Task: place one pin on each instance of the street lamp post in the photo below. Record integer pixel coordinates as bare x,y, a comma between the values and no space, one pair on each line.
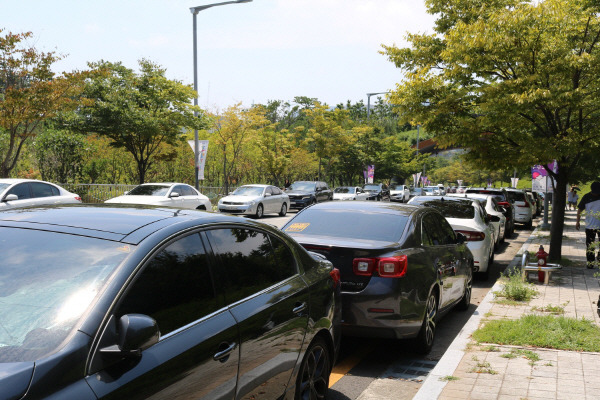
369,102
195,11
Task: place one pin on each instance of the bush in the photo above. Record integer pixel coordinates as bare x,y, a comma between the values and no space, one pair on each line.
515,289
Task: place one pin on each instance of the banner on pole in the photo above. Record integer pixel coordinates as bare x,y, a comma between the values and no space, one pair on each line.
200,158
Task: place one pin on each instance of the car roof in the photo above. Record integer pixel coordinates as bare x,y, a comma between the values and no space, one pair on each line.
382,207
443,199
124,223
256,185
16,180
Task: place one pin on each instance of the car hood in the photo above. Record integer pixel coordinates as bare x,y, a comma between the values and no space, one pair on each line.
14,379
240,199
298,192
138,200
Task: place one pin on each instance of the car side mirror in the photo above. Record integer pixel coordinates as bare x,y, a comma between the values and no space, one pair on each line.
136,333
460,238
11,197
174,195
267,194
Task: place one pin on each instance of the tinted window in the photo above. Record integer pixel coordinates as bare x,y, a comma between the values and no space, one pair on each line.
516,196
430,233
42,190
175,287
247,263
188,190
344,190
21,190
452,209
349,224
149,190
47,282
448,235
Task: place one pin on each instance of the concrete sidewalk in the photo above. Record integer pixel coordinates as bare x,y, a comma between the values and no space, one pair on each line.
558,374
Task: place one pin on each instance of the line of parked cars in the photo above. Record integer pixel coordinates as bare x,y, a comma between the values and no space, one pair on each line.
128,300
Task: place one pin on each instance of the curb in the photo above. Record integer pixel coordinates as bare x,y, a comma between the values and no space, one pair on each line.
432,386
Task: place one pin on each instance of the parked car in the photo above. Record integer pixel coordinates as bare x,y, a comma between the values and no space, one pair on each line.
431,190
178,195
399,193
538,201
524,210
417,192
466,217
377,191
461,189
256,200
305,193
441,189
130,303
402,267
490,204
349,193
503,200
30,192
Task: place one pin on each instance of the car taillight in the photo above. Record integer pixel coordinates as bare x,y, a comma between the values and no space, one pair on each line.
385,267
473,236
335,275
77,198
504,203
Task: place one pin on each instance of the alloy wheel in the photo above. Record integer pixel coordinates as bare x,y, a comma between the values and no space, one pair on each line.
314,375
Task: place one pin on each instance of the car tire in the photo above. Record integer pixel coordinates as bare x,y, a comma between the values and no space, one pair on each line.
465,301
426,335
313,377
485,275
259,211
529,225
313,202
283,210
201,207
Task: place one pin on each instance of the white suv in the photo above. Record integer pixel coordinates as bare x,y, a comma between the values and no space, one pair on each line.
523,208
399,193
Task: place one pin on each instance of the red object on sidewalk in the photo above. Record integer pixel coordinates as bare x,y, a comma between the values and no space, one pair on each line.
542,257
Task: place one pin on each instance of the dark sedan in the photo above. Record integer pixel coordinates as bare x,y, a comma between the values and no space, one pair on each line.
377,191
401,266
134,303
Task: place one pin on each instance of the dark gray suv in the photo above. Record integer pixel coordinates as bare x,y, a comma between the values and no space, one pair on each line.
305,193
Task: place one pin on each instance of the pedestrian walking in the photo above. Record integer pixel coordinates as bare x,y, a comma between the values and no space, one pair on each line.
572,199
590,203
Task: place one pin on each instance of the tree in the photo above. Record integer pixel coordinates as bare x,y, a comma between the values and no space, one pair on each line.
513,81
138,112
60,155
30,93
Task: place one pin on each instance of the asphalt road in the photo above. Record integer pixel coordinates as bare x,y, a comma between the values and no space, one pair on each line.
362,360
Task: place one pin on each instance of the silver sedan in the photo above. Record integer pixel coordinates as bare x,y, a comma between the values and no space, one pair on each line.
255,200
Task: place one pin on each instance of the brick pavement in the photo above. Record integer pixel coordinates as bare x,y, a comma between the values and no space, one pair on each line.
479,373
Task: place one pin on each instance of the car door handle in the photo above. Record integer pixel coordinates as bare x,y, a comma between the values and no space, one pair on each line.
299,308
224,354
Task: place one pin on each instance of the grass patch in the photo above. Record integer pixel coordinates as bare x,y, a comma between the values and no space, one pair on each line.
449,378
551,309
515,289
546,331
483,368
528,354
490,348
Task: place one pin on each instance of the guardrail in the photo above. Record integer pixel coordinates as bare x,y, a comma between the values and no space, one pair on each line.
527,267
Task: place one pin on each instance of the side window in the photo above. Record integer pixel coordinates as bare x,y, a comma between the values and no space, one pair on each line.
430,234
187,191
449,237
284,259
247,263
21,190
41,190
275,190
175,287
268,190
179,189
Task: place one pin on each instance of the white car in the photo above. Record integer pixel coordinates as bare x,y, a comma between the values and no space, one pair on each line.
492,208
178,195
523,209
432,190
256,200
399,193
30,192
349,193
466,216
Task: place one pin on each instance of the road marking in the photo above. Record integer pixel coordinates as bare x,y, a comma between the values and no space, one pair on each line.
342,368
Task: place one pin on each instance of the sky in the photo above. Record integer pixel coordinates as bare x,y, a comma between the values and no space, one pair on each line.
247,53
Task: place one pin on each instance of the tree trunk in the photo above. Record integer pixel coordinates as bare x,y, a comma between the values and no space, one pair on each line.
558,217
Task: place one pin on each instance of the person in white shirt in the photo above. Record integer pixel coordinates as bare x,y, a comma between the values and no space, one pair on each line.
590,203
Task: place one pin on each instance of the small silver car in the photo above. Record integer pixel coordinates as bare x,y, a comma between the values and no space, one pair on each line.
256,200
178,195
30,192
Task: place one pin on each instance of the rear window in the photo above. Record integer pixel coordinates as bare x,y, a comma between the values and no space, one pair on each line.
497,195
516,196
452,209
348,224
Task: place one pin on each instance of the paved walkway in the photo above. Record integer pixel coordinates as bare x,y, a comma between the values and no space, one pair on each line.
477,372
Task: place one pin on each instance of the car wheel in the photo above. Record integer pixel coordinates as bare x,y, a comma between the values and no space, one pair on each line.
529,225
486,274
465,302
201,207
259,211
427,332
283,210
313,378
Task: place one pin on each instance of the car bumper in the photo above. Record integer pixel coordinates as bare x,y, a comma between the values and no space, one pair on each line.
481,254
397,197
523,217
299,204
237,209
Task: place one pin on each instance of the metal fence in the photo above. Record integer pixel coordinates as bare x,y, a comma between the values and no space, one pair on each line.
98,193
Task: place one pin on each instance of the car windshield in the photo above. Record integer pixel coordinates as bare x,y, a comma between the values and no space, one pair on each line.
3,186
371,187
149,190
348,224
349,190
396,187
304,186
452,209
249,191
47,282
429,189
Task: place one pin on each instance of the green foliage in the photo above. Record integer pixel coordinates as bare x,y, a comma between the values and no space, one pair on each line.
60,155
516,289
545,331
